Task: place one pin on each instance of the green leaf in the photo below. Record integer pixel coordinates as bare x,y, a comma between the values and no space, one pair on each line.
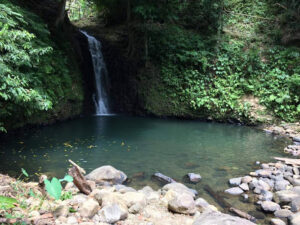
7,203
24,172
67,178
31,193
53,188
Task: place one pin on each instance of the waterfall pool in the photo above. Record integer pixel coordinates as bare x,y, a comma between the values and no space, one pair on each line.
143,146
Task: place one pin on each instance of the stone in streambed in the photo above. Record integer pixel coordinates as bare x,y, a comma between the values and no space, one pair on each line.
246,179
194,177
203,205
234,191
89,208
62,210
295,205
269,206
107,174
283,213
178,188
277,222
286,196
297,139
244,187
295,219
266,195
235,181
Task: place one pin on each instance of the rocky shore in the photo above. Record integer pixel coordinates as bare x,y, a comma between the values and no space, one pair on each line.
111,202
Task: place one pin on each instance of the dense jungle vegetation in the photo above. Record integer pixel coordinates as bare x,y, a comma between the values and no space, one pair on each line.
200,58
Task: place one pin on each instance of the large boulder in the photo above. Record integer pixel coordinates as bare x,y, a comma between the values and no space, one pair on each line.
107,174
217,218
183,203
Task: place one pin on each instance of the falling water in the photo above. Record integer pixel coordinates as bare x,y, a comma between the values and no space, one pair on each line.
101,76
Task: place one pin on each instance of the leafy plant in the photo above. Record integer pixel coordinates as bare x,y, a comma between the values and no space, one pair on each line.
54,187
7,202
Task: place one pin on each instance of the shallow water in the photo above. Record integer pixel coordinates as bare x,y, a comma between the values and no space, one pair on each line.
134,145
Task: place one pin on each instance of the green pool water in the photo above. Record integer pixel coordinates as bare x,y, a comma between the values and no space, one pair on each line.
143,145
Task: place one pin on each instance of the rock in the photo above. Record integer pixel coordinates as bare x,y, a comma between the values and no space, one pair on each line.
112,213
80,198
283,213
295,219
286,196
217,218
234,191
107,174
235,181
194,178
72,220
203,205
266,195
89,208
245,197
297,139
269,206
246,179
296,182
34,214
163,178
151,195
123,189
179,188
62,210
296,171
134,201
244,187
295,205
183,203
277,222
263,185
263,173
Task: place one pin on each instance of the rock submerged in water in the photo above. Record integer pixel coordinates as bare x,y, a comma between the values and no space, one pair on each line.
234,191
107,174
194,178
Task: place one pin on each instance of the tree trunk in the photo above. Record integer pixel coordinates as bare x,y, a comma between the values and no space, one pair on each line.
61,13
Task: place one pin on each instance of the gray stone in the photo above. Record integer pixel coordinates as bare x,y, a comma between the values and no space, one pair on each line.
244,187
183,203
179,188
246,179
107,174
123,189
296,182
263,173
281,185
296,171
297,139
218,218
234,191
277,222
295,205
286,196
266,195
235,181
194,178
62,210
112,213
283,213
269,206
89,208
295,219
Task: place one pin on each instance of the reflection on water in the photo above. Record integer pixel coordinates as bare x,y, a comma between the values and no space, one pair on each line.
143,146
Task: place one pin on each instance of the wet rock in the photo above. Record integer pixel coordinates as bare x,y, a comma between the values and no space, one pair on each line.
217,218
269,206
89,208
112,214
295,205
107,174
179,188
163,178
234,191
194,178
246,179
244,187
277,222
266,195
286,196
245,197
235,181
62,210
295,219
183,203
283,213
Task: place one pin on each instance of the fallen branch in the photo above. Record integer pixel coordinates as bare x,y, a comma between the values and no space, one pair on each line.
79,168
80,181
243,214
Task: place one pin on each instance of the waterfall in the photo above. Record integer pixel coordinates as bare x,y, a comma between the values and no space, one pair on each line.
100,98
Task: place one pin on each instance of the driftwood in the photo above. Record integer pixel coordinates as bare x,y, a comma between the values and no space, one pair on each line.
42,178
289,161
163,178
243,214
217,197
79,168
80,181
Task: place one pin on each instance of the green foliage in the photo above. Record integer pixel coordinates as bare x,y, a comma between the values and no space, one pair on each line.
7,203
24,172
54,187
34,73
